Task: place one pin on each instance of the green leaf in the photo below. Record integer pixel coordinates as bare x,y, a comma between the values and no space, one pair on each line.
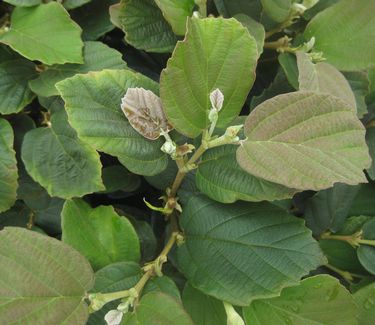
344,38
111,278
365,299
289,64
71,4
162,284
277,10
94,18
46,209
93,106
359,82
255,29
145,27
364,202
17,216
45,279
221,178
176,12
203,309
100,234
319,300
8,167
118,178
241,252
158,308
342,256
328,209
229,8
370,139
323,78
320,6
27,34
97,56
279,85
15,72
24,3
208,47
366,253
305,140
60,162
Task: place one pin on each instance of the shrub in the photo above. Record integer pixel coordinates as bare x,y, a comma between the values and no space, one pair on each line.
187,162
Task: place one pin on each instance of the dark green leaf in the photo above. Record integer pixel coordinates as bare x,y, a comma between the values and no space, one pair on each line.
366,253
64,165
15,73
328,209
203,309
94,18
162,284
97,56
118,178
221,178
145,27
241,252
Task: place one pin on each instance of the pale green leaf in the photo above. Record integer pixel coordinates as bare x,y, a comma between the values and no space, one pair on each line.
93,106
221,178
323,78
344,33
145,27
94,18
99,234
365,299
158,308
176,12
203,309
8,167
244,251
27,34
64,165
370,139
319,300
366,253
305,140
15,73
219,53
43,280
277,10
97,56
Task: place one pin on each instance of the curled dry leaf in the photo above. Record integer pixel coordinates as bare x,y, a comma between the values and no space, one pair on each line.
145,113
